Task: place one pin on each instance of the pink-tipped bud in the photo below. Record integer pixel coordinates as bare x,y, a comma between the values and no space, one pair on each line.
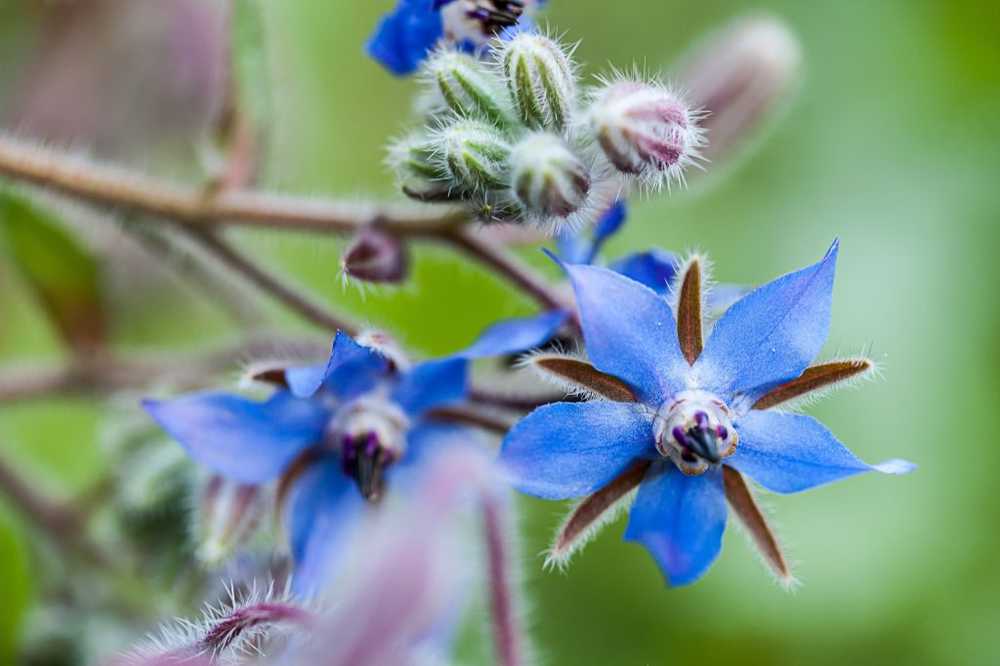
375,256
547,178
645,131
741,76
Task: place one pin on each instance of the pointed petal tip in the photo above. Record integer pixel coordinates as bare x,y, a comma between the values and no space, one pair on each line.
895,466
834,249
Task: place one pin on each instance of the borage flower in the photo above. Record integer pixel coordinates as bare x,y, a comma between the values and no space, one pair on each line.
334,435
684,424
405,36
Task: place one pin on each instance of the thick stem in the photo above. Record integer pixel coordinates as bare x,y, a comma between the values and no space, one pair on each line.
503,611
268,282
106,185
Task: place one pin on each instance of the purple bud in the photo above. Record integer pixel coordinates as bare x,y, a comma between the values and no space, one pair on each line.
645,131
740,77
375,256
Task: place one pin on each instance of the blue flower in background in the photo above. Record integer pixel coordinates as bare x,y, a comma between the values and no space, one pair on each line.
406,35
335,435
685,420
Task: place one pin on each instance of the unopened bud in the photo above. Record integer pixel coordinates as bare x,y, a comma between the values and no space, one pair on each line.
474,155
548,179
740,76
466,89
540,80
230,512
420,174
375,256
645,131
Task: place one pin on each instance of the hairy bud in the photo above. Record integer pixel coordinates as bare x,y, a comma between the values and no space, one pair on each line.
465,89
548,179
740,77
645,131
474,155
419,173
230,512
375,256
541,81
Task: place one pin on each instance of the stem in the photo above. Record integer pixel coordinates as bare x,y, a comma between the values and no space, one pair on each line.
110,374
506,629
268,282
490,398
60,523
106,185
506,265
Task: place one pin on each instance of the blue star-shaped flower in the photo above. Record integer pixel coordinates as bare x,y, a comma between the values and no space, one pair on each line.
334,435
684,421
407,34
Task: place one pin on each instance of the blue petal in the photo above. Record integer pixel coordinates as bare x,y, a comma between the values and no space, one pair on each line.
787,453
680,520
567,450
351,369
432,384
405,36
323,508
243,440
515,335
772,334
575,247
655,269
428,438
629,332
608,225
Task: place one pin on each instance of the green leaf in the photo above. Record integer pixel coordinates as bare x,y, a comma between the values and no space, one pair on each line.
63,275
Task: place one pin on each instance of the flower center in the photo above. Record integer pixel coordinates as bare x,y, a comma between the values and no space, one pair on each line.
694,430
371,433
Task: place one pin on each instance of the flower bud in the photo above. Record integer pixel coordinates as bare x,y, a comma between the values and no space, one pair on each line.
419,173
474,155
230,512
540,80
740,76
375,256
465,89
547,178
645,131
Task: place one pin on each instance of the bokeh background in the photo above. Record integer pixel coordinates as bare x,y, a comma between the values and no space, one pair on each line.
891,145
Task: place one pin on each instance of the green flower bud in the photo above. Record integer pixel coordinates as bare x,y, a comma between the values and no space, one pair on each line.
419,173
466,89
547,178
474,155
540,79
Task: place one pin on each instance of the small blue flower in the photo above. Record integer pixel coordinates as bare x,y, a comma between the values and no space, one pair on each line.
686,419
406,35
333,435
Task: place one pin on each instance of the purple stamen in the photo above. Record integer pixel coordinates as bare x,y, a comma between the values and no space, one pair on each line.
701,418
679,436
722,432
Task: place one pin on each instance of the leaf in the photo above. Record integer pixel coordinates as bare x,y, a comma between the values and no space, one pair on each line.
63,275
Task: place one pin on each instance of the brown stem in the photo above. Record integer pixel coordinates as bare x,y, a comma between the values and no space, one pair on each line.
506,630
473,417
500,260
268,282
106,185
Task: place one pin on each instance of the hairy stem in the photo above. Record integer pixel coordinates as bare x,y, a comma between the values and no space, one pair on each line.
267,282
505,625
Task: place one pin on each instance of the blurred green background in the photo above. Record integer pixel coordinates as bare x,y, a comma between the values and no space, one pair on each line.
891,145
